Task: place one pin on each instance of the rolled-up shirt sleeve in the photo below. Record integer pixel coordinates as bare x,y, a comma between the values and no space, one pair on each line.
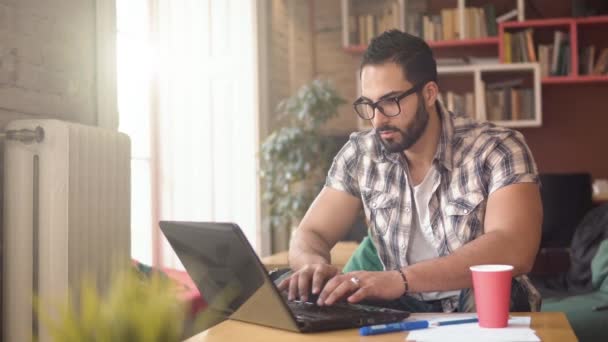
343,170
511,162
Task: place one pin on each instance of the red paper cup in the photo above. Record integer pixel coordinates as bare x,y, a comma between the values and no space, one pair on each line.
492,287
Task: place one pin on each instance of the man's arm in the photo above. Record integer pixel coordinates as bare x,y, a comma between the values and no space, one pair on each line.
327,220
512,236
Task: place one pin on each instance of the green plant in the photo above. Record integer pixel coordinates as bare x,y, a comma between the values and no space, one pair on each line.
295,158
134,309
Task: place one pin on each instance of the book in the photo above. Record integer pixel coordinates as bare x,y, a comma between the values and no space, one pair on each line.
558,37
507,47
507,16
516,108
590,60
510,83
544,57
490,19
469,105
447,15
602,62
527,104
530,46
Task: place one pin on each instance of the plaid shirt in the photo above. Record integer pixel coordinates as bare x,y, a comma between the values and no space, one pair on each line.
473,160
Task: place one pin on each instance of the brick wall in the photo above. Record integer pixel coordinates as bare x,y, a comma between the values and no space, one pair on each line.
294,60
48,60
48,63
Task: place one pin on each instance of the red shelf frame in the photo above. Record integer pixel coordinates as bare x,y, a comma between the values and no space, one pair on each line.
464,42
355,48
574,79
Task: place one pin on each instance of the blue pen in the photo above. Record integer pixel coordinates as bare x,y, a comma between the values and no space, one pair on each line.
392,327
458,321
406,326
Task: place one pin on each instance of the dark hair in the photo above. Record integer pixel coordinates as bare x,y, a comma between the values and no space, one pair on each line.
412,53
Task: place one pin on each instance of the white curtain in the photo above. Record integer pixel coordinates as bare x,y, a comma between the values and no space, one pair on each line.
206,111
208,122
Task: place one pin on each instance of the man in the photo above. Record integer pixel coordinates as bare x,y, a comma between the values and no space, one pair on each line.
440,193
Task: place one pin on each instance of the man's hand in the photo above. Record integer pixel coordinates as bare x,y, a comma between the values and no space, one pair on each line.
359,285
300,281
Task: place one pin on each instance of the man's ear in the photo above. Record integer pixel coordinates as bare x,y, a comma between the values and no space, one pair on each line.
430,92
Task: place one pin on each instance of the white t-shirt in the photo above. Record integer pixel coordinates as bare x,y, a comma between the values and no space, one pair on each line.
420,247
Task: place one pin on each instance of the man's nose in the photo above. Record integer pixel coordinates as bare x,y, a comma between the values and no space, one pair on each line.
379,118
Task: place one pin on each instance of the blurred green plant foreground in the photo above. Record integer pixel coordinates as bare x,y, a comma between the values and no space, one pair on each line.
135,308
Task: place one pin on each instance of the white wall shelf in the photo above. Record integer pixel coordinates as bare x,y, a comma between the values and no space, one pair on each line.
480,90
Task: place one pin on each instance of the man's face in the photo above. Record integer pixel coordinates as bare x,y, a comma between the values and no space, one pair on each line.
397,133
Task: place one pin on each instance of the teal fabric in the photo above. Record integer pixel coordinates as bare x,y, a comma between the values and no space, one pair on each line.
599,268
365,257
588,325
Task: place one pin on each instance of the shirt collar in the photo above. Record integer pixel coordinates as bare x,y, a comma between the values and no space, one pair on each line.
443,156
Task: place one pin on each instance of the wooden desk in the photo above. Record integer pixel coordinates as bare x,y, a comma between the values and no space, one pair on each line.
549,326
339,256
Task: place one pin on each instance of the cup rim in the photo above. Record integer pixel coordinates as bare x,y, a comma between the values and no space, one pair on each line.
491,268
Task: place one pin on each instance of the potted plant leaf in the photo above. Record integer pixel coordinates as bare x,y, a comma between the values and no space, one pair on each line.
296,157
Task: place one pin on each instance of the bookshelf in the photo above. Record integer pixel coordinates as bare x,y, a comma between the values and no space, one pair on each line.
469,33
510,81
444,23
580,43
470,84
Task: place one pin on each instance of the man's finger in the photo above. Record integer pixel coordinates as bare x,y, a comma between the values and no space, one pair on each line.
341,291
284,284
293,286
358,296
329,288
303,286
318,278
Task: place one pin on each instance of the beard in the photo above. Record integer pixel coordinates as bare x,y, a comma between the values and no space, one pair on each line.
409,136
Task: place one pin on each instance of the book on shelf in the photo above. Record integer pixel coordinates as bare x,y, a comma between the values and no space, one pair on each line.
460,104
561,56
362,27
509,101
601,66
479,22
586,60
519,47
512,14
545,53
414,10
554,58
466,60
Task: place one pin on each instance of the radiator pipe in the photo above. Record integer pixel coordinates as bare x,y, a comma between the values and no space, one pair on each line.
26,136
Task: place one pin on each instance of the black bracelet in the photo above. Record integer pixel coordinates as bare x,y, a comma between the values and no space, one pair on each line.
405,283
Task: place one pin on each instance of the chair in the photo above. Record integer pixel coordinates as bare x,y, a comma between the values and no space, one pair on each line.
566,199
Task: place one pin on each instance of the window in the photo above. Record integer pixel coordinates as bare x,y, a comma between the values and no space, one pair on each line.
198,85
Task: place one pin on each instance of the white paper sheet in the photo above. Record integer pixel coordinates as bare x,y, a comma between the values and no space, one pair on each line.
517,330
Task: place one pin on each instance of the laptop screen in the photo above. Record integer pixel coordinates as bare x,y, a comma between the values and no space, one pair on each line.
225,272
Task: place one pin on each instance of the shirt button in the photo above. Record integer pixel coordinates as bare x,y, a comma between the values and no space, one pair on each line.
373,204
466,211
407,209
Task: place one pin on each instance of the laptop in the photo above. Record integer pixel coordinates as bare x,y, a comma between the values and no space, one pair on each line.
235,284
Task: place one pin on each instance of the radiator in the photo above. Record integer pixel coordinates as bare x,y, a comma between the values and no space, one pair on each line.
66,215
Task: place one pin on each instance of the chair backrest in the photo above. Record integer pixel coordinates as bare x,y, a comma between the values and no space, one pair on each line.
566,199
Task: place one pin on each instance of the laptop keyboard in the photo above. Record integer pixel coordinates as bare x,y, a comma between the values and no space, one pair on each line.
311,311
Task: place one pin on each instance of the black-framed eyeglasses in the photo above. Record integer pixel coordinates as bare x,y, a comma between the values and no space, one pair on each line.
389,106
